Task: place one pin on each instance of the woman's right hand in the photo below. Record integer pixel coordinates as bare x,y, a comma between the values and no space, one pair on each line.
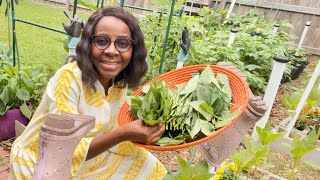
136,131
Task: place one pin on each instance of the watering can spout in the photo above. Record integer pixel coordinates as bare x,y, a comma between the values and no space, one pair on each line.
216,150
59,136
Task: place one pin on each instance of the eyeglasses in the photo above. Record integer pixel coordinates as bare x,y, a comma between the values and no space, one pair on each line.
102,42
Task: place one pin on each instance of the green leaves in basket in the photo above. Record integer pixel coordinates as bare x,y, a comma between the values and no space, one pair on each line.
154,107
165,141
190,111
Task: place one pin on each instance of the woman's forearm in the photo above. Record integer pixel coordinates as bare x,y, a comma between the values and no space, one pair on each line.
104,142
134,131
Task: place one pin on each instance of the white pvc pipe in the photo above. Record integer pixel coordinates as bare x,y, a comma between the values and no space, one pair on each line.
232,37
270,94
303,36
231,8
276,28
191,8
303,99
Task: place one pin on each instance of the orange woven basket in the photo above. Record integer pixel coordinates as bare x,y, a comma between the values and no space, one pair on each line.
239,93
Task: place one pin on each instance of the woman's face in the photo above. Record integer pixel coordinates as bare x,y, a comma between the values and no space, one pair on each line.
110,62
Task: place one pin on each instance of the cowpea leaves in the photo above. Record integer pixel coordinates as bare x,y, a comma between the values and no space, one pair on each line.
154,107
190,111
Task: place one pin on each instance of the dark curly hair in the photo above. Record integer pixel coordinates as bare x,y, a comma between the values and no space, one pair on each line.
137,66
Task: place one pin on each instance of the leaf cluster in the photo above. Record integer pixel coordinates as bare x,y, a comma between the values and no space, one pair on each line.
256,151
198,171
18,87
154,107
301,147
192,110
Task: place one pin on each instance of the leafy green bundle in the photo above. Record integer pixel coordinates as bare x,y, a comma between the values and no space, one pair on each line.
191,111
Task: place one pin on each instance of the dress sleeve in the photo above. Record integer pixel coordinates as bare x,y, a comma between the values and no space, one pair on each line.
64,96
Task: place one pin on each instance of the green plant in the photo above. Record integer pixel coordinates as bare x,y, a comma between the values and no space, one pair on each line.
301,147
255,151
198,171
309,115
227,172
18,87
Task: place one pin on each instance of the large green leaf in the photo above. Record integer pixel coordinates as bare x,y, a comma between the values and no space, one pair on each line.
195,129
165,141
23,94
25,110
207,128
13,85
266,135
5,95
191,85
197,106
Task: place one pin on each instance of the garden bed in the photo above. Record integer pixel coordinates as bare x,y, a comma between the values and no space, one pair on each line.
284,124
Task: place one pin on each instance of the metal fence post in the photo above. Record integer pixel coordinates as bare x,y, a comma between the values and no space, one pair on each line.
167,35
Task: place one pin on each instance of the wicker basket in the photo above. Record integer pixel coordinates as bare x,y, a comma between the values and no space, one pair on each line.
178,76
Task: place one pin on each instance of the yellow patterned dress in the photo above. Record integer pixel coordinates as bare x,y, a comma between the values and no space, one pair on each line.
66,93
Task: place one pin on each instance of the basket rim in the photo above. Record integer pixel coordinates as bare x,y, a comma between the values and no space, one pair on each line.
202,140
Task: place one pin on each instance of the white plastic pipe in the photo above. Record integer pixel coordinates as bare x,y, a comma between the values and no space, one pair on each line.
303,99
303,36
191,8
271,91
231,8
276,28
232,37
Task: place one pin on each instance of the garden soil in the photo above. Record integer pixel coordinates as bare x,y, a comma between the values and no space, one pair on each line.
277,163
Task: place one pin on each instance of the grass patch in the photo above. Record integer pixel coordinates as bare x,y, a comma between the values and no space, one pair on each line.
37,45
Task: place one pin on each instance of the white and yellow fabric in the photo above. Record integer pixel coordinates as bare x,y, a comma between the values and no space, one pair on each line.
66,93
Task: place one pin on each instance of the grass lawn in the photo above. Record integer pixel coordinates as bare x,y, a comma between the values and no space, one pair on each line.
38,45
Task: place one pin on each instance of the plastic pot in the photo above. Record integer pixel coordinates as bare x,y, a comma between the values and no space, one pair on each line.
7,123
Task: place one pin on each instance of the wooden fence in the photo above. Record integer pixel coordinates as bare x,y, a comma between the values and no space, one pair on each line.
297,12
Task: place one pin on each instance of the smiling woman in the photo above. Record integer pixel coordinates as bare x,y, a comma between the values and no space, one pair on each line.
95,83
108,60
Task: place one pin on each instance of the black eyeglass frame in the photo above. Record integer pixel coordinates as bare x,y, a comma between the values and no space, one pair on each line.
93,41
